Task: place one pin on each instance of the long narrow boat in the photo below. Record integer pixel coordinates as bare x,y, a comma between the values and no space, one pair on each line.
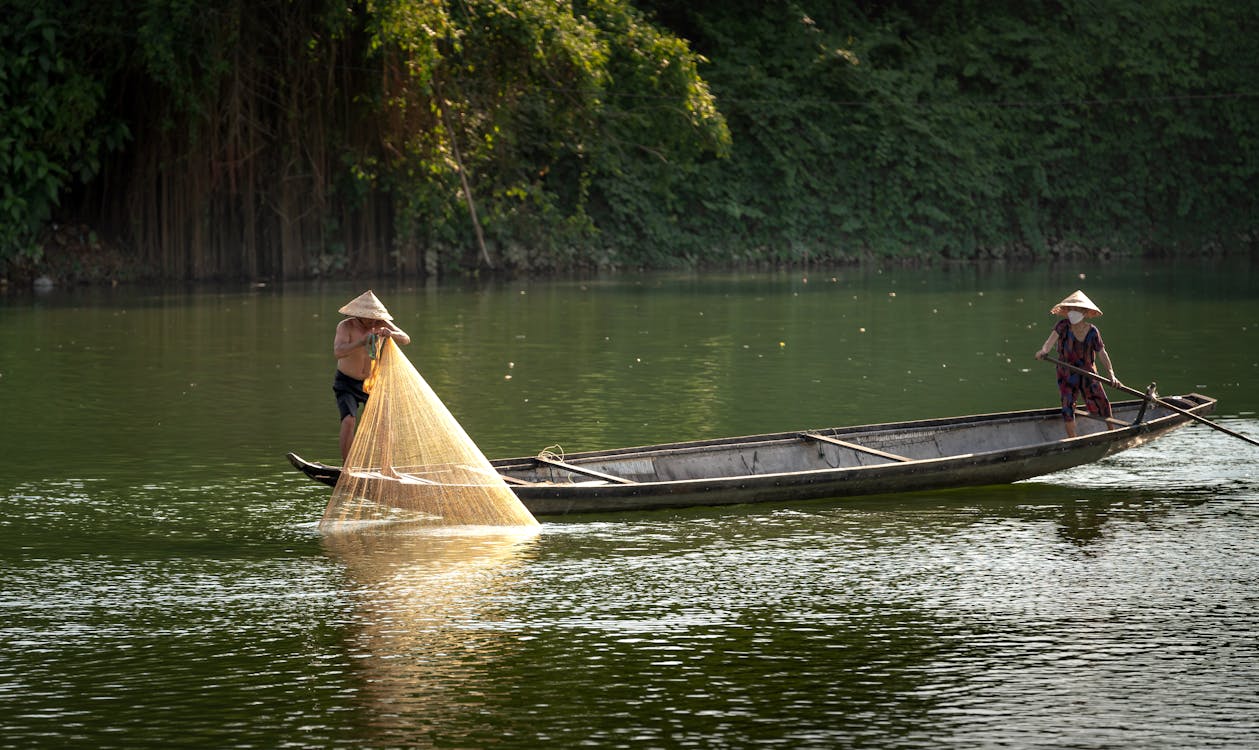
824,463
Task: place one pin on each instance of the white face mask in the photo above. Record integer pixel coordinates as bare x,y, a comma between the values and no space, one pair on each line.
1075,316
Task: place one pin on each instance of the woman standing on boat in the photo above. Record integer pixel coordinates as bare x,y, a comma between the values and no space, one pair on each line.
1080,344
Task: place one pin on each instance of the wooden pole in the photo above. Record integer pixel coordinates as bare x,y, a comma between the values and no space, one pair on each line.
1158,401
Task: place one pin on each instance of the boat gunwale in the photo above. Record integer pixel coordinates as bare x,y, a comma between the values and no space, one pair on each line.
1103,438
797,436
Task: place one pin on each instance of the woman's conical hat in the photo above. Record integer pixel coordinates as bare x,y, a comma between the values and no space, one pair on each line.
366,305
1079,300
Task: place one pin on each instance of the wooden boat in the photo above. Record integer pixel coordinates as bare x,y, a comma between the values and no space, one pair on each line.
828,463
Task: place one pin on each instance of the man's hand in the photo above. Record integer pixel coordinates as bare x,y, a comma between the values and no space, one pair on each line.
393,332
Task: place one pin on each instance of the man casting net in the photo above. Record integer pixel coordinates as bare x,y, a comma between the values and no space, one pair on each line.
410,461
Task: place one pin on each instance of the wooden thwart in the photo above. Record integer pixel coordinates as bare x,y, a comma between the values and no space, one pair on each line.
1107,420
583,470
854,446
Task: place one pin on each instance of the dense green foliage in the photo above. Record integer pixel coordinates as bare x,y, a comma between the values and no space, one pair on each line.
48,137
535,101
238,138
279,139
979,129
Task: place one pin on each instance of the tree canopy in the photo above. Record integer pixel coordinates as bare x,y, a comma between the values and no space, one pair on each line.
271,139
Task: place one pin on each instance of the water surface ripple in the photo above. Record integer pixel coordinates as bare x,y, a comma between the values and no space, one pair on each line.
165,584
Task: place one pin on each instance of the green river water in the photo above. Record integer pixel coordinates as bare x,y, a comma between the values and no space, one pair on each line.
165,584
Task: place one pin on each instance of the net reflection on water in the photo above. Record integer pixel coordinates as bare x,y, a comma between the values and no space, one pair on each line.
428,622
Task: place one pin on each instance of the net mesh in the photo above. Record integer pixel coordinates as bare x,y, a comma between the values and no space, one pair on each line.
412,462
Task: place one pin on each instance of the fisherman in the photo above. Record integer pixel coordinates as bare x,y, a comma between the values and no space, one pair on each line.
355,346
1079,344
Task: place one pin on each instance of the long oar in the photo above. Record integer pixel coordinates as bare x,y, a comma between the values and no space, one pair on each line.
1158,401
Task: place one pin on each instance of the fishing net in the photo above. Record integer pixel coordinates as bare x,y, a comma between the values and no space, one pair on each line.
412,462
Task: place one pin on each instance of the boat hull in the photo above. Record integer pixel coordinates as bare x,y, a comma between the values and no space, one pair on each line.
831,463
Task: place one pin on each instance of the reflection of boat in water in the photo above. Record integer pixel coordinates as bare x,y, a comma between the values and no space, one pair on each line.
832,462
425,634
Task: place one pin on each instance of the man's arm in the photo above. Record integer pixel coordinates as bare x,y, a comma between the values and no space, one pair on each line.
345,342
394,332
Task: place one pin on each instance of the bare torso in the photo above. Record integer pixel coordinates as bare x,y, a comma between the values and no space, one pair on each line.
349,345
350,348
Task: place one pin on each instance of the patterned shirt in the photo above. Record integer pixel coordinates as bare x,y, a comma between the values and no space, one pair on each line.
1072,351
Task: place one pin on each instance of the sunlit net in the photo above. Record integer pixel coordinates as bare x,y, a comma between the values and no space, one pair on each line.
412,462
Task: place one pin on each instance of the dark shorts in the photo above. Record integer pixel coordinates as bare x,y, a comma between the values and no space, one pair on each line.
350,394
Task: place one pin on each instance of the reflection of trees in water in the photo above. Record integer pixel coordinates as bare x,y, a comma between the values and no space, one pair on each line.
1081,521
1081,514
425,631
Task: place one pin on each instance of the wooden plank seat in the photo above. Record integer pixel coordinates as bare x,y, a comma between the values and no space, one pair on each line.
583,470
854,446
1107,420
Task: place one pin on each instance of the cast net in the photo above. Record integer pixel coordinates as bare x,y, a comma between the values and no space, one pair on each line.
412,462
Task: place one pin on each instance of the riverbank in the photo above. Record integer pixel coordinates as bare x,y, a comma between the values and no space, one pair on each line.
76,256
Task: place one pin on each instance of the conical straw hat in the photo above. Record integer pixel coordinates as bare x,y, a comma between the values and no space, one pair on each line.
366,305
1079,300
